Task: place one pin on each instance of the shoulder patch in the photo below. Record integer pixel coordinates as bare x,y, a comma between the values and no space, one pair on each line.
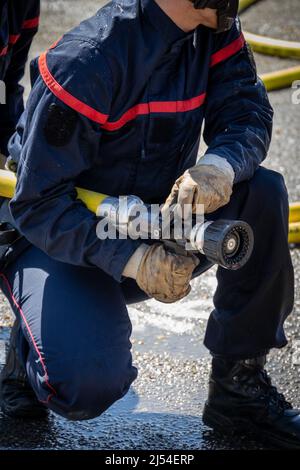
60,125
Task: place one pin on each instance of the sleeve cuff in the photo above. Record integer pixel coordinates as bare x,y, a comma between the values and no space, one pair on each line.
219,162
132,267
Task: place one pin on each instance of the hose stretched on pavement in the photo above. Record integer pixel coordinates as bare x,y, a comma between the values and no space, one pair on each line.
275,81
275,47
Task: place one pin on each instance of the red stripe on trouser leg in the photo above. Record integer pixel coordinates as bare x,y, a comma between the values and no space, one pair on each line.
15,302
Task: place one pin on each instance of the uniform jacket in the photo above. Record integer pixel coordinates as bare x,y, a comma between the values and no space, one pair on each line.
117,106
19,21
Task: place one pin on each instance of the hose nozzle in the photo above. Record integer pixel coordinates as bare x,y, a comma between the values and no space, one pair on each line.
224,242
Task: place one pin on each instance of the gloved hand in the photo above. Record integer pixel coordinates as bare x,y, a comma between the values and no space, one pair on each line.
163,275
209,183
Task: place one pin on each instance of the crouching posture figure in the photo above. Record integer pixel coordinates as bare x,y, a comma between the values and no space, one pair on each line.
117,106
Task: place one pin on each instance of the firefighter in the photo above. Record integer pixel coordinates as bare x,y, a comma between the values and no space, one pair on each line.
18,25
117,107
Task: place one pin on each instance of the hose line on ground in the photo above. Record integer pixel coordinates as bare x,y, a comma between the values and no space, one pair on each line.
274,47
275,81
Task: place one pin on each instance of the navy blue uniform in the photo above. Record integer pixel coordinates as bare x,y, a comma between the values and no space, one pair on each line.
117,106
133,90
18,25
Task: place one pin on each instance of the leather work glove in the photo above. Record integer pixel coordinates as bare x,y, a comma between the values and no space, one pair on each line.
161,274
209,183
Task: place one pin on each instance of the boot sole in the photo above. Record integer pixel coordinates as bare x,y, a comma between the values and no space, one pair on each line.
222,424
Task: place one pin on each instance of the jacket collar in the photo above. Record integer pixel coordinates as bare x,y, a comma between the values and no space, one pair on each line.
162,22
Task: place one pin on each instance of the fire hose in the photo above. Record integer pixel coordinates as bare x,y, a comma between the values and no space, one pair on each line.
274,81
227,243
274,47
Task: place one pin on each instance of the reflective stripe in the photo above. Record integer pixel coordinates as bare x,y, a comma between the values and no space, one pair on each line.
31,23
66,97
38,352
13,38
228,51
156,107
130,115
3,51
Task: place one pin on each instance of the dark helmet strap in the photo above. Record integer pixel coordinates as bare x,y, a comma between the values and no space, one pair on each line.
227,11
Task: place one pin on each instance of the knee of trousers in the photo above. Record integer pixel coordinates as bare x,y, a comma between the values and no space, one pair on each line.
269,192
91,389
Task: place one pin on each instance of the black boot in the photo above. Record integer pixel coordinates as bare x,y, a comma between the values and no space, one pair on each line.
17,398
242,399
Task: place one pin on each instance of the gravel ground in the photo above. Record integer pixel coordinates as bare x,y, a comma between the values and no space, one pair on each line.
163,409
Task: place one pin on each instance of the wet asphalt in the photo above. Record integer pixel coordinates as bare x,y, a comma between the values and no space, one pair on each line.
163,408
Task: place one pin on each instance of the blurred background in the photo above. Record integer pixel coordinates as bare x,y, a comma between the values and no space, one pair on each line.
163,409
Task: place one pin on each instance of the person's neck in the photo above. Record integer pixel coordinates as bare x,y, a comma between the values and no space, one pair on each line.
182,13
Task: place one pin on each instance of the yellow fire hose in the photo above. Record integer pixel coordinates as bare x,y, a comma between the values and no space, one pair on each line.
275,81
272,46
8,182
244,4
275,47
93,200
281,78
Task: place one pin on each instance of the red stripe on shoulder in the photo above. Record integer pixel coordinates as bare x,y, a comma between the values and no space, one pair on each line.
67,97
31,23
228,51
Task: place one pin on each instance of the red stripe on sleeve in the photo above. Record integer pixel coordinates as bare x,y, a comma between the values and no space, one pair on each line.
228,51
3,51
66,97
31,23
13,38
